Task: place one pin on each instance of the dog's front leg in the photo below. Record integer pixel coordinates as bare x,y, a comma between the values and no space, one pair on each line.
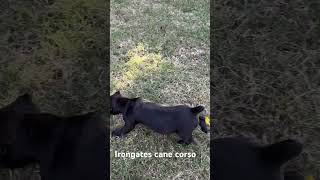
129,126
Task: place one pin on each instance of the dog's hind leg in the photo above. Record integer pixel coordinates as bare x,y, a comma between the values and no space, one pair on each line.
186,138
189,141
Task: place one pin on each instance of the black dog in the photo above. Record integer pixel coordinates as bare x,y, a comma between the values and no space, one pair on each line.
235,158
64,147
165,120
8,116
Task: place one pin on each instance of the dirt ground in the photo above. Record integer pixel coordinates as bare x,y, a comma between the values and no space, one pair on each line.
265,74
55,50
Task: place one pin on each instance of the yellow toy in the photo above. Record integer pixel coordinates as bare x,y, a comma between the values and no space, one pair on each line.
207,120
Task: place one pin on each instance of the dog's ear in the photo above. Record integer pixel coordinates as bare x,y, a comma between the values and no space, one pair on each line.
280,153
24,98
21,102
118,93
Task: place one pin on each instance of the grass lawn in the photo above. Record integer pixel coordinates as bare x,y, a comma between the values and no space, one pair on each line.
266,74
55,50
160,52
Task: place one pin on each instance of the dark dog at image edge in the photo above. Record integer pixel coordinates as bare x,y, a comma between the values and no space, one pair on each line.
64,147
162,119
238,158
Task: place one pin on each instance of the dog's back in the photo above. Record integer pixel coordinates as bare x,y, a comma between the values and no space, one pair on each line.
165,119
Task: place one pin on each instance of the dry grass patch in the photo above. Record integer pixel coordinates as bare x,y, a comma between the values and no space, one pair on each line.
265,75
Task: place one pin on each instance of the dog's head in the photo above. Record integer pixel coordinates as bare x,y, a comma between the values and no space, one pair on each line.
10,116
115,107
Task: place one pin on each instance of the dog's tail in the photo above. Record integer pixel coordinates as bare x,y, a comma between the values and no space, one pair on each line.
197,109
202,124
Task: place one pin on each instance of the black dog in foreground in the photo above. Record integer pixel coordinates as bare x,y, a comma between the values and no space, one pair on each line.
235,158
64,147
162,119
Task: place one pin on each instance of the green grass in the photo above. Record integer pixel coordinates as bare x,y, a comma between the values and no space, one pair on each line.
52,50
160,52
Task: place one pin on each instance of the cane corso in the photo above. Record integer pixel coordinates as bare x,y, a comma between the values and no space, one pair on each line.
237,158
180,119
65,148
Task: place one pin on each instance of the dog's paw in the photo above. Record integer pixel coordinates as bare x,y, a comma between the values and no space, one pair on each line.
184,142
116,133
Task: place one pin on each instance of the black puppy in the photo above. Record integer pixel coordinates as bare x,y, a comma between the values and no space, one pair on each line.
235,158
8,114
64,147
162,119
